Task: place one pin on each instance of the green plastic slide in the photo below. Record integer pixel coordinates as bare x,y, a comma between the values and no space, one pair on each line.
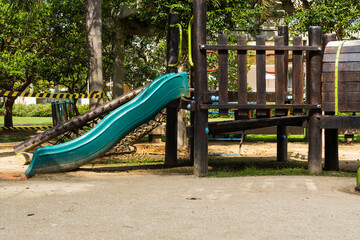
108,132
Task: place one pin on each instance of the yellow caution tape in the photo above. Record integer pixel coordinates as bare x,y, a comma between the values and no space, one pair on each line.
92,94
25,128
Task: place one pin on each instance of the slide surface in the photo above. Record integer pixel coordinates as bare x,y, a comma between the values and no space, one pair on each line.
110,130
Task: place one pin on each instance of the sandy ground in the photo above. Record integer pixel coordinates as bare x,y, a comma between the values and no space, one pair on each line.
349,154
88,204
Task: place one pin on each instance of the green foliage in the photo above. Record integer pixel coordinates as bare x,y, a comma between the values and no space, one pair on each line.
32,110
24,37
83,108
341,17
223,16
213,82
144,60
39,110
66,60
42,43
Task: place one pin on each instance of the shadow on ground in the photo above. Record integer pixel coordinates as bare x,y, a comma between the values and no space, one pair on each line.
185,166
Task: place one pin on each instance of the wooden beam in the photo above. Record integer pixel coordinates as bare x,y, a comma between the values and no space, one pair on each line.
233,96
259,106
331,122
240,125
259,48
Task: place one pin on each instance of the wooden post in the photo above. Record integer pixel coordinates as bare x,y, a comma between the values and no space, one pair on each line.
223,75
297,75
282,143
171,112
280,82
283,30
200,115
331,135
331,149
280,78
315,60
242,78
260,76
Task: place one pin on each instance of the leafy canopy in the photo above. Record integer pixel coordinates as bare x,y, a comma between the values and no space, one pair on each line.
222,16
24,37
341,17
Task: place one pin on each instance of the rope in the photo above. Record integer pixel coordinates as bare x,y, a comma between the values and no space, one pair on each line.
189,42
217,55
190,53
337,78
180,44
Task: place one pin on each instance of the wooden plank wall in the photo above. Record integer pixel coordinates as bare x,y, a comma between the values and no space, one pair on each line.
348,77
281,68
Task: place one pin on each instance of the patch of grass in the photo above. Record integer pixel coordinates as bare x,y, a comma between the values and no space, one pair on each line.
356,138
257,171
13,139
132,160
221,168
221,119
272,138
29,120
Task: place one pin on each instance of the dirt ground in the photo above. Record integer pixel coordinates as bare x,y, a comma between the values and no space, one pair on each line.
114,203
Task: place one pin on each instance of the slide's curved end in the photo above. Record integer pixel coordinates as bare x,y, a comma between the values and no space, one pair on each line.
108,132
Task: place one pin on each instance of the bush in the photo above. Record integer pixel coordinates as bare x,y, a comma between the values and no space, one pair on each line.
39,110
32,110
83,108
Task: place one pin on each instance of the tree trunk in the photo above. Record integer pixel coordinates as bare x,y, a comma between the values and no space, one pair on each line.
118,76
94,45
8,113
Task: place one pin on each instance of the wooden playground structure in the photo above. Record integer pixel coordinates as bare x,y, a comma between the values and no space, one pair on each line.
331,80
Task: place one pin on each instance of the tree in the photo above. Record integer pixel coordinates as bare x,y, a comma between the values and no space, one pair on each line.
66,61
44,43
341,17
21,48
118,32
223,17
144,60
